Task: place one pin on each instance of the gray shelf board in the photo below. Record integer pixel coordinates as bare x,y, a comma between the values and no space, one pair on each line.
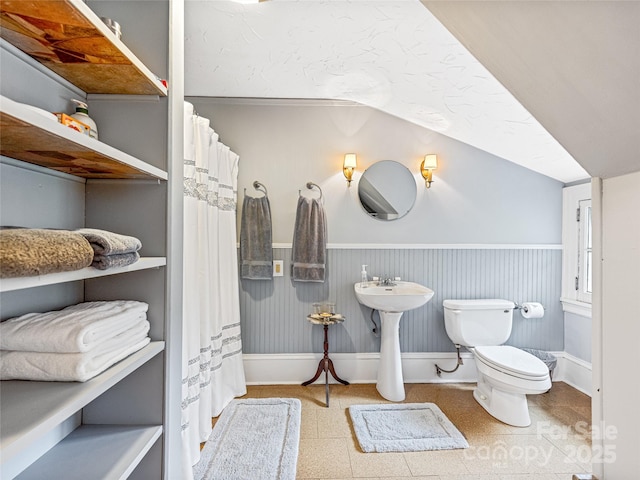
95,452
10,284
29,410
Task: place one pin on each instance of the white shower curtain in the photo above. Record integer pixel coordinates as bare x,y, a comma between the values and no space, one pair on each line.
212,371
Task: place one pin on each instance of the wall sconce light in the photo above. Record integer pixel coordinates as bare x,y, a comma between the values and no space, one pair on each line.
349,166
428,165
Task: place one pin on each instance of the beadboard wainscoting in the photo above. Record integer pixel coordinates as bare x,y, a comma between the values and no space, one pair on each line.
273,313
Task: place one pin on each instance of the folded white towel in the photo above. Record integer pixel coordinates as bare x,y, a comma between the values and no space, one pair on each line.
70,367
133,335
78,328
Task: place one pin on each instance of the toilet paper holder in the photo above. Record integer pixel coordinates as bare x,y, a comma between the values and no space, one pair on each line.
524,308
518,306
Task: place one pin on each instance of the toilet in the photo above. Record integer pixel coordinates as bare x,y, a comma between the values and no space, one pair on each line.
506,375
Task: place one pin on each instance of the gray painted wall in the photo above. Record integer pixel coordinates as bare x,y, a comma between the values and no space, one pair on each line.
23,83
577,336
476,198
35,197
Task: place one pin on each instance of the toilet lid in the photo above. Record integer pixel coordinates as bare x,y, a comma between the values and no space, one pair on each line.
512,360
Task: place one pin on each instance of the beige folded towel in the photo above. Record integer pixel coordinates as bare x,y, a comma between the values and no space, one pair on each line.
27,252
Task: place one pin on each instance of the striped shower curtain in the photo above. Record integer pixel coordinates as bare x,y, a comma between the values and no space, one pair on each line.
212,371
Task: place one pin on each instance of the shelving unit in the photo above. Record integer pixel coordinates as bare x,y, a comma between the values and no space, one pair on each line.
115,425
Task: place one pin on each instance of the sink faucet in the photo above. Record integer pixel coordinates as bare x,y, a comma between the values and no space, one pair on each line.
387,282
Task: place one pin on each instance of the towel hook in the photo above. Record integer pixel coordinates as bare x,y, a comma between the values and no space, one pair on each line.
257,185
310,186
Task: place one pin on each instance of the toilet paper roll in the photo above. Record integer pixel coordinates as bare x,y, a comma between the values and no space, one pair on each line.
532,310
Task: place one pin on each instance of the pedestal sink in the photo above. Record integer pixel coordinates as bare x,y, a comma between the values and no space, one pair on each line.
391,301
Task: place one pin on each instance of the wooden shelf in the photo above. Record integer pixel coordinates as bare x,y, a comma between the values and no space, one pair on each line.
68,38
10,284
30,410
32,137
96,452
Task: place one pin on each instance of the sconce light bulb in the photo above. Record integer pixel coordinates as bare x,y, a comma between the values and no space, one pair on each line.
427,166
348,174
348,166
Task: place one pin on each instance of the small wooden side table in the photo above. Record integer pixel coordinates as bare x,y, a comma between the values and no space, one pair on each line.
325,365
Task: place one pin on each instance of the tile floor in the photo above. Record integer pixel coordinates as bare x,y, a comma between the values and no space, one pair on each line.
555,446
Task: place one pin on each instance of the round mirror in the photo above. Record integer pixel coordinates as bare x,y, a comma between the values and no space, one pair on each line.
387,190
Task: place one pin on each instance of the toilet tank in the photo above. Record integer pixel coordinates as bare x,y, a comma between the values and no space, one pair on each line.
474,323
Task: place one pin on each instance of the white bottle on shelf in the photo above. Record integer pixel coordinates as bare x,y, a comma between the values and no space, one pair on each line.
82,115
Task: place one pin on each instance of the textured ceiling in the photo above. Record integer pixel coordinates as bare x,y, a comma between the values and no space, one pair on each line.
391,55
574,65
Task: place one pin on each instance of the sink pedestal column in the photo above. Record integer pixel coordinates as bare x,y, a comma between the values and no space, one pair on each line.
390,382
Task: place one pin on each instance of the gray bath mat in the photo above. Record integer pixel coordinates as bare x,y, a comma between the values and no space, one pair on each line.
404,427
255,438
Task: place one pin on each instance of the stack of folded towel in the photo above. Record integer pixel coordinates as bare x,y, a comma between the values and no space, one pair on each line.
111,249
26,252
73,344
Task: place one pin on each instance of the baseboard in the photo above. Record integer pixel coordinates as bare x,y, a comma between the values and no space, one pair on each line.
279,369
418,367
573,371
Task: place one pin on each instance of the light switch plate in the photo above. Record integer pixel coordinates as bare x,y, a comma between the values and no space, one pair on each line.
278,267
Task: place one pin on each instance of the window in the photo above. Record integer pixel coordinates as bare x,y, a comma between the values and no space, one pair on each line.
577,257
584,279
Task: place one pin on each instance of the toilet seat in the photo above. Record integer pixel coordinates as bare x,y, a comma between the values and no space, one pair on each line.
512,361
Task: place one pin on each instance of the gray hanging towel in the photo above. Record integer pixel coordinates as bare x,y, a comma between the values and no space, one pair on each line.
308,253
256,249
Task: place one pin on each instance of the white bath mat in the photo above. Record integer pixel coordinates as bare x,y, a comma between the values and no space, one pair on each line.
404,427
255,438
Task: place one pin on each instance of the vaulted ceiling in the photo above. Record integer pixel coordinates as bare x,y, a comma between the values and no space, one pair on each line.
575,65
398,57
